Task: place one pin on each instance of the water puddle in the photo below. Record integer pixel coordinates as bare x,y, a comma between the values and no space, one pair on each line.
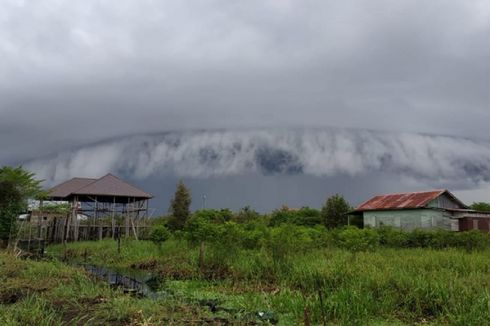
140,284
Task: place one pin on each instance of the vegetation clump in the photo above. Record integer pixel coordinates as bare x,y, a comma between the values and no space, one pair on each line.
16,187
334,212
180,207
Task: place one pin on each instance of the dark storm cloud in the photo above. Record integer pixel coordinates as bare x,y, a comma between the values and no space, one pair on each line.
80,71
268,168
422,158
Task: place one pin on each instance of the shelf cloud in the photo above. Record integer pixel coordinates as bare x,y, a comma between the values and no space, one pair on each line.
326,152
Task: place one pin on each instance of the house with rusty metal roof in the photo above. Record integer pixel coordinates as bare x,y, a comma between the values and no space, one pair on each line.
424,210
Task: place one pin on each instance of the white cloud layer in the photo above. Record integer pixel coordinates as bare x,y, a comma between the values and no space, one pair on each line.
426,159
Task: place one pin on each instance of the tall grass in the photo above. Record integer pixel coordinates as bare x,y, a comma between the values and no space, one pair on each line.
289,272
52,293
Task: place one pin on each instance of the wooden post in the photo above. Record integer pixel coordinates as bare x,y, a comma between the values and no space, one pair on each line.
306,317
112,217
30,234
75,219
119,239
67,228
53,229
126,219
132,219
201,256
137,217
98,222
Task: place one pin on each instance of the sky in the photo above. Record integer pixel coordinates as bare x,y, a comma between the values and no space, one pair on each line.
251,102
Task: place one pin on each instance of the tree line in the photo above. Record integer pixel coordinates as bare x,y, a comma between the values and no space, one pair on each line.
17,185
333,214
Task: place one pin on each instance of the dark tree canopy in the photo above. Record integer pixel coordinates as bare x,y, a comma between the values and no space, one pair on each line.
304,216
334,211
180,207
24,181
481,206
246,214
16,187
11,204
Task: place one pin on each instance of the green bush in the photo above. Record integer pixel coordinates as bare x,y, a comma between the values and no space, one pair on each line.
419,239
304,216
245,215
392,237
473,240
289,239
354,239
214,215
198,230
159,234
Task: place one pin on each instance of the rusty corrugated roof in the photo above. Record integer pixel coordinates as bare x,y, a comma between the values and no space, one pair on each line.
68,187
108,185
407,200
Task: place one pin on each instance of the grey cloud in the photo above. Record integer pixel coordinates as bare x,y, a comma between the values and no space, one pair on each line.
427,159
81,71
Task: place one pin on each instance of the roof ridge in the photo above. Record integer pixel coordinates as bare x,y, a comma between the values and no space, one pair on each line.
116,177
405,200
67,181
93,181
412,192
124,181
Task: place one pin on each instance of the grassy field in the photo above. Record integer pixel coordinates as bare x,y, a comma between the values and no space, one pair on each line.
52,293
386,286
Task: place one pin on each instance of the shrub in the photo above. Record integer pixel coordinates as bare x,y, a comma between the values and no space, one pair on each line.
180,207
246,214
304,216
334,211
214,215
159,234
473,240
391,237
419,238
200,229
354,239
288,239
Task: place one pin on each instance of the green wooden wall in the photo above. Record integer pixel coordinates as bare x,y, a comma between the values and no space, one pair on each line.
410,219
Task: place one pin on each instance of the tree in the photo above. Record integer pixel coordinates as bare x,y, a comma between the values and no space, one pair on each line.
16,187
180,207
305,216
334,211
159,234
246,214
481,206
11,205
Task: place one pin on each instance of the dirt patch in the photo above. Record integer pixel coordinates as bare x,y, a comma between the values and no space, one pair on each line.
83,312
171,272
216,272
145,265
11,297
